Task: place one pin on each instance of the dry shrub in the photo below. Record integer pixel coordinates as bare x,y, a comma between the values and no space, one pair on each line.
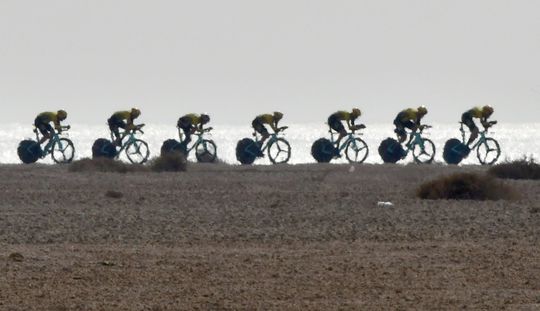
114,194
518,169
105,165
466,186
169,162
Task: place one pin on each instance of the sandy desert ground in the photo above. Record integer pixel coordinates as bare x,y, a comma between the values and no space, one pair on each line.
306,237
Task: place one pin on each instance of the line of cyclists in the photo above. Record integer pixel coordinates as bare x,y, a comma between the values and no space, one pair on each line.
266,128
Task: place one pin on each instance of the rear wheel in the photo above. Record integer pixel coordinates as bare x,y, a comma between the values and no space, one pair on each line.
63,151
103,148
29,151
323,150
137,151
424,152
247,151
356,150
488,152
391,150
206,151
173,146
279,151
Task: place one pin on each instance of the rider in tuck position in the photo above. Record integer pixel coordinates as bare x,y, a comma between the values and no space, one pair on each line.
481,113
191,123
335,122
43,120
267,119
409,118
124,120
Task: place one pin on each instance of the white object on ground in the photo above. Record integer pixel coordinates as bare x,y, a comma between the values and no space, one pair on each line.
384,204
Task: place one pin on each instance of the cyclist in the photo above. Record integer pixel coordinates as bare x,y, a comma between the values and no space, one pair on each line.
409,118
191,123
481,113
267,119
43,120
124,120
335,122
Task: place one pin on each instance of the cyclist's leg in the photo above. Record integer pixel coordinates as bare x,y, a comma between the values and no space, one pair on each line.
185,125
400,130
467,119
45,129
114,125
261,129
411,126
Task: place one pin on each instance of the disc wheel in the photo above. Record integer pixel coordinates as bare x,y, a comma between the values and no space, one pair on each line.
323,150
63,151
137,151
424,152
488,152
356,150
206,151
279,151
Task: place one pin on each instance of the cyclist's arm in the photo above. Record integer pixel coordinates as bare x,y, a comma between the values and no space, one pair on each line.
274,126
350,124
130,126
57,125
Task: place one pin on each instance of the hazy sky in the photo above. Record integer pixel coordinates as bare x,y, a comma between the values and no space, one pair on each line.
237,58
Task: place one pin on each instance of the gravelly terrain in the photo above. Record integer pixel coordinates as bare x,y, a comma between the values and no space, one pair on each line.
283,237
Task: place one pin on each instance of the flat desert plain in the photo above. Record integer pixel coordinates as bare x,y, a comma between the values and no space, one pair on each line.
304,237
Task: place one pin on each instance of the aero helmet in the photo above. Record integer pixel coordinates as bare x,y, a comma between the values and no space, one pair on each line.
422,110
205,118
62,114
356,112
135,112
487,110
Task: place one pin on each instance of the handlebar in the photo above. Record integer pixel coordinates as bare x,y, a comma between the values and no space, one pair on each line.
138,128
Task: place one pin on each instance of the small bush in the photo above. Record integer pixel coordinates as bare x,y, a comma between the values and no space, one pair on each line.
114,194
104,165
466,186
169,162
518,169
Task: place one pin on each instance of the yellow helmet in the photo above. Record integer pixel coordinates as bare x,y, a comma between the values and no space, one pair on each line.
422,110
487,110
62,114
135,112
356,112
278,115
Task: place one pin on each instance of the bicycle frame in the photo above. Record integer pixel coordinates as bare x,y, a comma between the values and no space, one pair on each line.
349,137
273,137
480,140
130,138
55,139
200,138
417,140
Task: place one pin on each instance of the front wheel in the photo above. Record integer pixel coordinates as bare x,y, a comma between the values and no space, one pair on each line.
206,151
488,152
137,151
63,151
424,152
356,150
279,151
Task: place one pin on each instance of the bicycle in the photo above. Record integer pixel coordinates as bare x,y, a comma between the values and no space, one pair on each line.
205,149
423,149
484,145
277,148
136,150
356,149
61,149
